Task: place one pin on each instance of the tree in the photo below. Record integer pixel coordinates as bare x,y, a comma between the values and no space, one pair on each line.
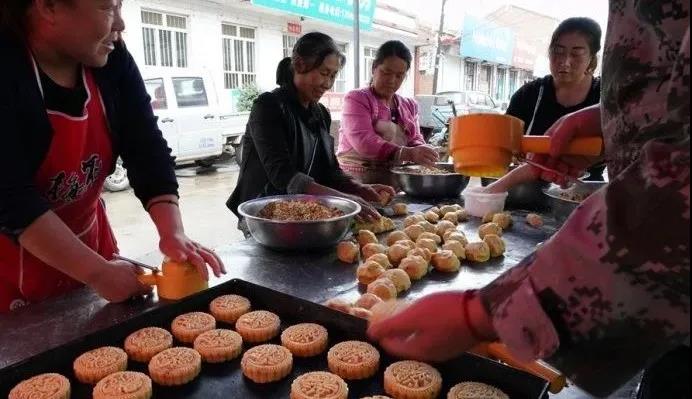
247,97
438,50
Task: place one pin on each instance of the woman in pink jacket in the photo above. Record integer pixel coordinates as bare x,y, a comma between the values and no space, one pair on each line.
379,128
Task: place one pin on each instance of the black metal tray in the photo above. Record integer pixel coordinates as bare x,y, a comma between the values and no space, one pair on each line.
226,380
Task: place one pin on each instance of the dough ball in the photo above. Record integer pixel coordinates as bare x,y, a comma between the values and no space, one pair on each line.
372,249
366,237
446,261
462,215
427,226
489,228
496,245
396,253
361,313
415,266
435,209
367,301
414,219
382,259
395,236
428,244
445,209
383,288
504,220
385,197
369,272
407,243
456,236
413,231
400,209
488,217
478,251
401,280
338,304
456,247
451,217
387,309
443,226
422,252
534,220
432,217
431,236
347,251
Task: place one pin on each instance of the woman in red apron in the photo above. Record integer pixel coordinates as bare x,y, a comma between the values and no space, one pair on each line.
56,232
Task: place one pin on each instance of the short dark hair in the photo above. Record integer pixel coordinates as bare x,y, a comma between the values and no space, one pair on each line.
312,48
13,14
584,26
393,48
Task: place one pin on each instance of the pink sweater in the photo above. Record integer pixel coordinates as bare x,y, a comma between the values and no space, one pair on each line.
361,111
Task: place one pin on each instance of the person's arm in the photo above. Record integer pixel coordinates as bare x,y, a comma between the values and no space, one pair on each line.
357,127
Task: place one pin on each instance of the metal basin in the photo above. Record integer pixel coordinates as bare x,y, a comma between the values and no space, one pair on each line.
561,207
528,196
306,235
415,184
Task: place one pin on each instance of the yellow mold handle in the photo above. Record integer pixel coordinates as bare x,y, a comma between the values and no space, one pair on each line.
147,279
587,146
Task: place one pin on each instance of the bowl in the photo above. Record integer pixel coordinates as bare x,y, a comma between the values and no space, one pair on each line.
479,204
561,207
416,184
302,235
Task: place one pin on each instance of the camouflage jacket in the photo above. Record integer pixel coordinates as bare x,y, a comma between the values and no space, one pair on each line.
610,292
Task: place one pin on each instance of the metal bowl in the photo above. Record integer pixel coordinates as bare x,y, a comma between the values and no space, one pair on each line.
415,184
528,196
306,235
560,207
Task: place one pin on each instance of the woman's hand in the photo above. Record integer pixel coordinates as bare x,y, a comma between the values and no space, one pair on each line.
583,123
368,212
179,248
422,155
378,193
433,328
117,281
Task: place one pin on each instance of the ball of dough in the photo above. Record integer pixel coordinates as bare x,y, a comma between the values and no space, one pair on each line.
462,215
431,236
369,272
400,209
414,231
400,278
372,249
382,259
445,209
496,245
435,209
457,207
443,226
427,243
488,217
456,236
361,313
396,253
383,288
432,217
339,304
367,301
534,220
385,197
427,226
446,261
347,251
414,219
422,252
395,236
489,228
478,251
504,220
387,309
407,243
456,247
415,266
451,217
366,237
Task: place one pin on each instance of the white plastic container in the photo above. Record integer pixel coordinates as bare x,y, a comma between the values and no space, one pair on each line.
479,204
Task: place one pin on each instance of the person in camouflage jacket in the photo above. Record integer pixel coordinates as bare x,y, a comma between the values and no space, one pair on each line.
609,293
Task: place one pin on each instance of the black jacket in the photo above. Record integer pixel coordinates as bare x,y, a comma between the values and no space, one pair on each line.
26,133
284,147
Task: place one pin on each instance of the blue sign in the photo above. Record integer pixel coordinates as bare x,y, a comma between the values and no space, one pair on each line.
486,41
335,11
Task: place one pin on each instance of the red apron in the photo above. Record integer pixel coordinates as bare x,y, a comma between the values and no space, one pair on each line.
71,178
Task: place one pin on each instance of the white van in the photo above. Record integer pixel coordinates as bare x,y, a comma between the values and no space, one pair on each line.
196,124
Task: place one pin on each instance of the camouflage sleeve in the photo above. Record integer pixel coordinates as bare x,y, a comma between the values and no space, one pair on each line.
609,293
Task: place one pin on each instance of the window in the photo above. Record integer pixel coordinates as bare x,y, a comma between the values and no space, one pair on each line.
513,76
157,92
190,92
500,87
470,72
340,81
369,58
484,83
238,56
165,39
289,43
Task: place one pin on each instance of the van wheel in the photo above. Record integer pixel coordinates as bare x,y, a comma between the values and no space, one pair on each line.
118,180
206,163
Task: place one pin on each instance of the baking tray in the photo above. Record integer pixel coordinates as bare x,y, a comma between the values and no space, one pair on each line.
226,380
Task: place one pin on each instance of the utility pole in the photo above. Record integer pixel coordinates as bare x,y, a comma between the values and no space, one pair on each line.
438,50
356,43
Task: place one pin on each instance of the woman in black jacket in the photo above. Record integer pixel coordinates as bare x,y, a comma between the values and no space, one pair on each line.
287,148
71,103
